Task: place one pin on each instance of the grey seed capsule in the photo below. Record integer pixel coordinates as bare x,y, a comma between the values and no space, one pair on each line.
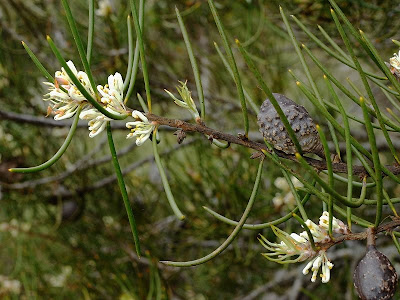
270,124
375,278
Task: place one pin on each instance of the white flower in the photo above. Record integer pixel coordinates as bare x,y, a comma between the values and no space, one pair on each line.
187,102
8,285
112,93
394,65
97,121
60,279
112,98
321,260
286,197
142,130
104,9
290,245
395,61
337,225
281,184
64,96
319,234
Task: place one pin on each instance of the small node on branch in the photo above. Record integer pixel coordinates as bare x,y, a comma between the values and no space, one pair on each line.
257,155
243,137
180,135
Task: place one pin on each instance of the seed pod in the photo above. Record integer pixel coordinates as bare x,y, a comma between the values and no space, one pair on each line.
303,125
375,278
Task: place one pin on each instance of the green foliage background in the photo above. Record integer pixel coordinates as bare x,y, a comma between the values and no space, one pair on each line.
88,253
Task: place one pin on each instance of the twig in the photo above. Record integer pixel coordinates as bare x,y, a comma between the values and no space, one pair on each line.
362,235
28,119
317,164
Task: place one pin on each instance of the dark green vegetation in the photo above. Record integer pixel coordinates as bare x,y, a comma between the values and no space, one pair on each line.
64,232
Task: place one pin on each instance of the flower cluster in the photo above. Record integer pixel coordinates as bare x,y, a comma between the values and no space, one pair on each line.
112,98
297,247
286,197
64,96
65,99
186,96
141,128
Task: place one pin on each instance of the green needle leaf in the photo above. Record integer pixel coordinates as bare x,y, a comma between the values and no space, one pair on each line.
193,62
376,161
234,233
232,64
38,63
366,85
122,187
58,154
78,42
139,35
326,186
262,225
164,180
90,32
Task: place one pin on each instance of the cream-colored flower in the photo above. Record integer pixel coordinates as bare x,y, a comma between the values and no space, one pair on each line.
395,61
97,121
112,98
105,8
112,93
321,260
142,129
319,234
64,96
290,245
281,183
337,225
285,197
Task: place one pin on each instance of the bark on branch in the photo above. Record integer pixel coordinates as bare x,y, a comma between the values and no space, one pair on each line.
215,134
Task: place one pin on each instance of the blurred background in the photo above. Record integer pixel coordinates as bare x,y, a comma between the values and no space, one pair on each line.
64,232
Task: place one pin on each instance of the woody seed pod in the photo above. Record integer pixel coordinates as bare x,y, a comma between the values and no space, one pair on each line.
303,125
375,278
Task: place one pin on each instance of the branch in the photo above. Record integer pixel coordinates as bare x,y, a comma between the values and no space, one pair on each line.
215,134
28,119
362,235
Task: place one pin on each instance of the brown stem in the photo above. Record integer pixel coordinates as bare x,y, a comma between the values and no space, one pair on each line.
213,133
369,234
